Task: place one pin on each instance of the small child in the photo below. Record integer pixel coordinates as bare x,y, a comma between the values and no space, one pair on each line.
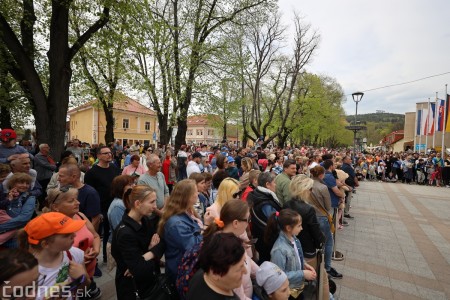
287,251
433,178
420,172
381,171
49,238
18,207
372,171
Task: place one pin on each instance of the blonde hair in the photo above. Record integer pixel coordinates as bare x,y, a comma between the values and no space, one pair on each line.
178,202
246,164
300,187
226,189
56,196
138,192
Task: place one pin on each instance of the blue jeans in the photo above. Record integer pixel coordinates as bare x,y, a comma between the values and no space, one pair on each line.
325,228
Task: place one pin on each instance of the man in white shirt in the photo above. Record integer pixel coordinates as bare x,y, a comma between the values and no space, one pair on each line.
193,165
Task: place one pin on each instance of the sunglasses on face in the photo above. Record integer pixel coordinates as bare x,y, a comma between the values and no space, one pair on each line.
237,194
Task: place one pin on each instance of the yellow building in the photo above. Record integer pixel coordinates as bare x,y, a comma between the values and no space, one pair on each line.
132,122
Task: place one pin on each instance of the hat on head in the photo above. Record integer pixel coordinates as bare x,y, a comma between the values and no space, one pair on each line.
230,159
49,224
7,134
196,155
270,277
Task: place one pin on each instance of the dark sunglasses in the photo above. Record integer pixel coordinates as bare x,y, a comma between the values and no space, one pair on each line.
63,189
237,194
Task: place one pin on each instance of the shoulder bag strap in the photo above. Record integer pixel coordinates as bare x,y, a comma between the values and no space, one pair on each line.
323,210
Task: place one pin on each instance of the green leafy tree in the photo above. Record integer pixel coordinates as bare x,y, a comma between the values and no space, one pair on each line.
48,93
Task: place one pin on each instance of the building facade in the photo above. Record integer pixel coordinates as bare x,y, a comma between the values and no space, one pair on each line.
132,122
208,129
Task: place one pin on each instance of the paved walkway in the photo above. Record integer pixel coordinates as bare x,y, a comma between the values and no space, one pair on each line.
397,247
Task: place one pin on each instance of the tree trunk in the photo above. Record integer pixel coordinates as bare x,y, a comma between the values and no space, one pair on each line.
109,115
164,132
180,138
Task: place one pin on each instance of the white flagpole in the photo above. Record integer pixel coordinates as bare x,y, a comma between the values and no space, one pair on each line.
426,127
443,126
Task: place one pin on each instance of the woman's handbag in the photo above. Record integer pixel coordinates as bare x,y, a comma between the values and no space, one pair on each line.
163,290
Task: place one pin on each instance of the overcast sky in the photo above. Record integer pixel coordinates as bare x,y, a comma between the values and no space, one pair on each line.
370,44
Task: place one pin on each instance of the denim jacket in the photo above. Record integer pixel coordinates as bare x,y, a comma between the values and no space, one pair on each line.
20,210
115,214
283,255
181,233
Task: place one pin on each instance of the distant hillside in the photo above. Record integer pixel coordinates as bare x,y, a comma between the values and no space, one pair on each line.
378,125
379,118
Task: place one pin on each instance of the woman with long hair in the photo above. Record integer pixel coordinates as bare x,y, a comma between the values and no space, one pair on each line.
263,202
228,189
234,218
321,201
116,210
180,224
203,202
311,237
136,246
247,166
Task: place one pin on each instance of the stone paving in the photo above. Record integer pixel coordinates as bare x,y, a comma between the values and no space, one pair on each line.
396,247
398,244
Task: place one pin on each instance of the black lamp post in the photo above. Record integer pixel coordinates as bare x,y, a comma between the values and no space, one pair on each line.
357,98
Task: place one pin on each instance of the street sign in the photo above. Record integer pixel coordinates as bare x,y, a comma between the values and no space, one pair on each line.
420,147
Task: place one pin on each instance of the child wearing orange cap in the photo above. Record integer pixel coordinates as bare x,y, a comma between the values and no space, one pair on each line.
49,238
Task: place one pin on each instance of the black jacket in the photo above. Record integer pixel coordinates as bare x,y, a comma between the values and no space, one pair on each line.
257,199
311,237
130,241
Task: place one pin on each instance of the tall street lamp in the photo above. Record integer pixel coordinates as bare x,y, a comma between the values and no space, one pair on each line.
357,98
355,127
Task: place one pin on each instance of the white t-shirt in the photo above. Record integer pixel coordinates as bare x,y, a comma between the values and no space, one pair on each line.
192,167
50,278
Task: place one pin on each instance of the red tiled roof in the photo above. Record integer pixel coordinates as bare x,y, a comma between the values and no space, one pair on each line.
122,103
203,119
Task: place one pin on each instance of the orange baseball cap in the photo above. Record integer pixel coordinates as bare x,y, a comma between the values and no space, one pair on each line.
49,224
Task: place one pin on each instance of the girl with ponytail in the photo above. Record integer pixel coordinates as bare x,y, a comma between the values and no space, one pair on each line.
287,251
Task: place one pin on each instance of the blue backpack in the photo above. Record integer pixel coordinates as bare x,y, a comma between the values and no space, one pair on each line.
187,269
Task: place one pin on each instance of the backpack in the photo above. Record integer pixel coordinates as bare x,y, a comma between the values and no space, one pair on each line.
187,269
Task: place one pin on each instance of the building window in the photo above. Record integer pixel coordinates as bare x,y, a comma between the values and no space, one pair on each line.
147,125
189,132
199,132
126,124
210,132
114,123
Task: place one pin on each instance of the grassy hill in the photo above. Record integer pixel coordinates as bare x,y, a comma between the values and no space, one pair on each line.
378,125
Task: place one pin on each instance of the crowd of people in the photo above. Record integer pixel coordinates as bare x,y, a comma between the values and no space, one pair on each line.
222,222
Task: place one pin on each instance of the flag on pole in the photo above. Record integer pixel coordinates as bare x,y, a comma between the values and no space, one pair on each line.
419,121
441,108
431,120
447,126
424,123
